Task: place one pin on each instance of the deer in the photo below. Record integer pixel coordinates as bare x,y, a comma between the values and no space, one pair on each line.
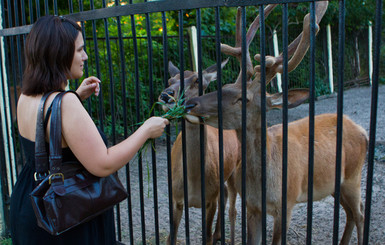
203,109
231,156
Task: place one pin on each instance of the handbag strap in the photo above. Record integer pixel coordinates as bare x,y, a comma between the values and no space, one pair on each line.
55,139
41,156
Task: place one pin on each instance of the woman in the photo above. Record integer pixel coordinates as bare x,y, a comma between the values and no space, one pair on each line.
55,53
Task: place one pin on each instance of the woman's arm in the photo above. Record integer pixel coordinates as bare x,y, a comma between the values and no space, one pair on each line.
83,138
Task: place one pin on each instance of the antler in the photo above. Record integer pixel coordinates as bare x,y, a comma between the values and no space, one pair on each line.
237,50
297,49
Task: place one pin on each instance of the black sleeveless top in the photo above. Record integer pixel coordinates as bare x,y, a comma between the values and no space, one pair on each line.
24,229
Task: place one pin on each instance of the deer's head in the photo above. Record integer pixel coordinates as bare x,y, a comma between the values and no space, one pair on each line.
206,106
173,92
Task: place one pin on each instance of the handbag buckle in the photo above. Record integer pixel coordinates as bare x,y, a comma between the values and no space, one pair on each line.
40,176
55,174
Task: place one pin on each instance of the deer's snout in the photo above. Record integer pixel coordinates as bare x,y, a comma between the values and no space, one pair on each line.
190,104
167,95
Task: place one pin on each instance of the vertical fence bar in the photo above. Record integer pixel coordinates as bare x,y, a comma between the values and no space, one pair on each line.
46,7
138,119
168,129
123,88
341,49
23,17
220,123
10,171
243,149
37,8
30,6
263,119
154,172
111,77
55,9
112,106
71,6
373,120
185,184
14,133
86,71
98,73
201,129
311,126
285,88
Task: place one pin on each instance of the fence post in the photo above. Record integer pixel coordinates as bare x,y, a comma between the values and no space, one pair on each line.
330,58
370,51
192,31
276,53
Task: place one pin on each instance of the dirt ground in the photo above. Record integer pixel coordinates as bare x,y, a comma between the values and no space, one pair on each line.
357,103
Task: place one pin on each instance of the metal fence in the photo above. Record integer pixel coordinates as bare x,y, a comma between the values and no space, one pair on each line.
127,66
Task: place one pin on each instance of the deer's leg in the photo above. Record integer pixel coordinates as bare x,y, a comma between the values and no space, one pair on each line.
254,226
232,208
352,203
217,233
177,215
211,208
277,230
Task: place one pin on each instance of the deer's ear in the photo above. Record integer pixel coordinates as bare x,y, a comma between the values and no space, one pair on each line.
173,70
295,98
210,74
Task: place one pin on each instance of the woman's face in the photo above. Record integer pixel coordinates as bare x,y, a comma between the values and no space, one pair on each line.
79,57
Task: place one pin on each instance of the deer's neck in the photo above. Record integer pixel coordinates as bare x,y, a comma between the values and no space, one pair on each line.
193,142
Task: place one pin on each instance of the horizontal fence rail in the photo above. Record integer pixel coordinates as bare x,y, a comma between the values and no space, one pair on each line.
129,46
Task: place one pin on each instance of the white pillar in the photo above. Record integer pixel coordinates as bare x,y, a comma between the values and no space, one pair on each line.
194,46
276,53
370,51
330,60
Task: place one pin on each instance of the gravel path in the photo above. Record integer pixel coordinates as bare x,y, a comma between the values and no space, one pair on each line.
357,103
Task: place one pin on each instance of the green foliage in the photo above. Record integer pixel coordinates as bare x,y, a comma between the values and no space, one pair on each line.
137,70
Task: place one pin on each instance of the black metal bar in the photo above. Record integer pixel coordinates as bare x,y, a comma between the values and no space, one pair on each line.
14,133
184,160
341,49
98,73
263,120
37,8
201,130
151,89
55,9
168,129
86,71
244,129
46,7
220,123
111,78
311,126
23,18
30,6
123,89
70,6
285,89
373,120
138,119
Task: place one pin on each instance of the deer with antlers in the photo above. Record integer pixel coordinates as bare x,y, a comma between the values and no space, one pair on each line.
354,141
231,156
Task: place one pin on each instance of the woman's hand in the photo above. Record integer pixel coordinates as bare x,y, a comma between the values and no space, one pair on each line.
89,86
154,126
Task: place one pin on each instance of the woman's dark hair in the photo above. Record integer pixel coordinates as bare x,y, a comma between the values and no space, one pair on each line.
49,51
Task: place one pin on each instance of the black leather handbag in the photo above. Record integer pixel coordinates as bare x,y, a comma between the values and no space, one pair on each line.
68,194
